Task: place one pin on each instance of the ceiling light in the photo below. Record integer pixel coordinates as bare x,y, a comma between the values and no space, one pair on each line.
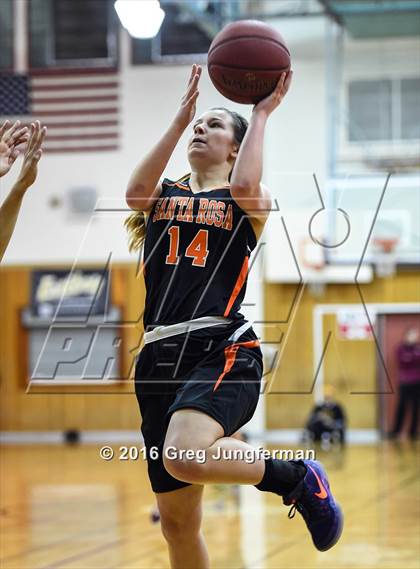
141,18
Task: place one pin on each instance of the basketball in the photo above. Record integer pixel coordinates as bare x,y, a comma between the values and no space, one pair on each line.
246,59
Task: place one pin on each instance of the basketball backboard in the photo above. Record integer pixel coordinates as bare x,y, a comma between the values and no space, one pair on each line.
378,208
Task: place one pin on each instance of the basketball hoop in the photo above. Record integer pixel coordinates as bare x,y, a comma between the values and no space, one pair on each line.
384,256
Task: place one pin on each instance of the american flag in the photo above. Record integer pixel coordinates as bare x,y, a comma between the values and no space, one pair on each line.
80,108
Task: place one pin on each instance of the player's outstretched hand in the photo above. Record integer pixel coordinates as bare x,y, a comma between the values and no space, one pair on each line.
273,100
10,138
187,109
33,153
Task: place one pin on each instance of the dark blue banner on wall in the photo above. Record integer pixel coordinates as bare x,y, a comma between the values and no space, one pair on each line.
63,293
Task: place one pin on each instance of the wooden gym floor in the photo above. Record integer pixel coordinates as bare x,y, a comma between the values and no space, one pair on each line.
66,507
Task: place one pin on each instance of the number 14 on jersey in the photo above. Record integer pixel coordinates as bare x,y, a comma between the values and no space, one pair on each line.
197,250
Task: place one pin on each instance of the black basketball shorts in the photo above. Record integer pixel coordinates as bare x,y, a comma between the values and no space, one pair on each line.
204,370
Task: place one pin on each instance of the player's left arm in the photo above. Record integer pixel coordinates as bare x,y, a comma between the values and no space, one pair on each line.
245,184
10,208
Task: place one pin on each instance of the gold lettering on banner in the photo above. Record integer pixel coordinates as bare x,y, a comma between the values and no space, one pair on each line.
51,287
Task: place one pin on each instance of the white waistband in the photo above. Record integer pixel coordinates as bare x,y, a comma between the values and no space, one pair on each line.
238,333
161,332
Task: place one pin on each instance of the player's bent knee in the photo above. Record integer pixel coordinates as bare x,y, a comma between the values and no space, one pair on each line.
178,527
182,468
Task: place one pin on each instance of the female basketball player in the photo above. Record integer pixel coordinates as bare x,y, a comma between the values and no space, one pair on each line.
198,375
10,138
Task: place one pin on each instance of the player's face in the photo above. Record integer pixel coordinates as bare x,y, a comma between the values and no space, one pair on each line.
212,140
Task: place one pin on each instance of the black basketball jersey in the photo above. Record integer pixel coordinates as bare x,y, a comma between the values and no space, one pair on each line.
196,255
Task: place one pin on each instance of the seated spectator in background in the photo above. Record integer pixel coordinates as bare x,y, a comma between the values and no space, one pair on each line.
408,360
327,419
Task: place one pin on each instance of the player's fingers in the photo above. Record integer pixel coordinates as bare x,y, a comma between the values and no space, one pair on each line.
196,79
32,137
193,85
36,141
37,129
9,134
18,134
198,75
4,127
280,84
13,155
40,138
288,80
285,84
22,140
193,72
38,135
192,99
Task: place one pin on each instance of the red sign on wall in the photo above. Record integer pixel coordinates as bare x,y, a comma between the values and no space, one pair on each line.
354,325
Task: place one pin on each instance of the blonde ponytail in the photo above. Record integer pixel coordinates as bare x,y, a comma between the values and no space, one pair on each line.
136,228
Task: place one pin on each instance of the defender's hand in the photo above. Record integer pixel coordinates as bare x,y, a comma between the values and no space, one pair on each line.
273,100
33,153
10,138
186,112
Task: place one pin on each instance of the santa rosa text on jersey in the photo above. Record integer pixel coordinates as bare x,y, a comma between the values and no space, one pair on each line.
210,212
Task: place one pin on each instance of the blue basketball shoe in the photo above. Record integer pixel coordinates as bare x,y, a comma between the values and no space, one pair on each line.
313,499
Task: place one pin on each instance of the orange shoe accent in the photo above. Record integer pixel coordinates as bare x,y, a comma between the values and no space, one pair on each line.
323,493
238,285
230,356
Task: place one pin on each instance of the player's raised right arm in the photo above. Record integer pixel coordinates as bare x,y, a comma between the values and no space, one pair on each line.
144,186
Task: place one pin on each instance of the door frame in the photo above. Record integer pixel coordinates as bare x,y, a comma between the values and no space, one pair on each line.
372,311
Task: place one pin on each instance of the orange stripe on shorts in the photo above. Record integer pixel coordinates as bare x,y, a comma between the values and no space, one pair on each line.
230,356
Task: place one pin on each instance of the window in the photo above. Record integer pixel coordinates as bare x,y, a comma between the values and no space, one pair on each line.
76,33
187,29
370,110
410,109
6,34
384,110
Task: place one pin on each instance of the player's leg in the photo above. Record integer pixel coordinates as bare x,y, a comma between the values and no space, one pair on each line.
179,504
302,484
226,458
240,436
220,397
180,516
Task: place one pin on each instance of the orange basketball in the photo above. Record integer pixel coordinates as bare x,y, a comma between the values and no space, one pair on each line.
246,59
